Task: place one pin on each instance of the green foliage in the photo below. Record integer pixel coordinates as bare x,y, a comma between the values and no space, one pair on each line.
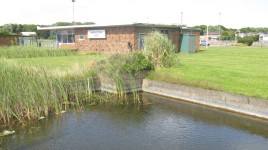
13,29
159,50
136,62
43,34
30,52
29,93
203,29
29,28
247,40
5,30
254,30
125,63
227,35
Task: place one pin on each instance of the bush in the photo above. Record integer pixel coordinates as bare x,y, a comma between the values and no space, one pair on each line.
137,62
159,50
246,40
128,63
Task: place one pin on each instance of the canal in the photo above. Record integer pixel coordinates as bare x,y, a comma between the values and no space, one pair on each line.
162,123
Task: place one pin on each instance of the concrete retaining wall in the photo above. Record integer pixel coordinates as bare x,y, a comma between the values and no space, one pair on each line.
241,104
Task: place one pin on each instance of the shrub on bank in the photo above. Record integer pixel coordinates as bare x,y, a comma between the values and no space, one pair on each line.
125,63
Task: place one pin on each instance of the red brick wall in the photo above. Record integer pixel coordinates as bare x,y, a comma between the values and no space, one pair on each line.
197,40
68,46
8,40
116,40
173,35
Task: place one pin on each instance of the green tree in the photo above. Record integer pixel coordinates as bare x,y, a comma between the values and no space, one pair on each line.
203,28
5,29
29,28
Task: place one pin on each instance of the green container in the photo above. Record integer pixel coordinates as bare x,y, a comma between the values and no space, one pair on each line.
188,43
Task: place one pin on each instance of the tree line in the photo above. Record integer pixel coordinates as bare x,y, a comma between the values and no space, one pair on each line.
14,29
252,34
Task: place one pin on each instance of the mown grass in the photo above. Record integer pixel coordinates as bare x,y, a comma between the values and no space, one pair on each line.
62,62
31,52
238,70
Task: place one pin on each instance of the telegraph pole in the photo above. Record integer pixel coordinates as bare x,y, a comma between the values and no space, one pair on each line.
219,30
181,21
73,10
207,38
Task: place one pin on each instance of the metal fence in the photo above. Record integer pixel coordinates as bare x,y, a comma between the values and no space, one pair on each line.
47,43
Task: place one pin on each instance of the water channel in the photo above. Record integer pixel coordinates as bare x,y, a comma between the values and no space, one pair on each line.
162,123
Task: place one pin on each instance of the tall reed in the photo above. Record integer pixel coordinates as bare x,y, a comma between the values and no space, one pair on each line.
27,93
159,50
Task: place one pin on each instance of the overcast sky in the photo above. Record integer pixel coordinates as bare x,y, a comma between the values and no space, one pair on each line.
234,13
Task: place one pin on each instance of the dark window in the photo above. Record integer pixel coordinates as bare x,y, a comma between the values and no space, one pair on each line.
164,31
81,37
65,36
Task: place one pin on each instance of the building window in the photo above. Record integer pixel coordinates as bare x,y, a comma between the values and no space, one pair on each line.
81,37
65,36
141,40
164,31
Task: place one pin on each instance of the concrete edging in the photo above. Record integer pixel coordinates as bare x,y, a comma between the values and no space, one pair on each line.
237,103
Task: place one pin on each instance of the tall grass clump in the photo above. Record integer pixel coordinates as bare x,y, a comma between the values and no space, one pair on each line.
28,93
159,50
31,52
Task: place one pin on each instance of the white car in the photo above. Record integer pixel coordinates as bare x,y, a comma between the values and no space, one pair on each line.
204,43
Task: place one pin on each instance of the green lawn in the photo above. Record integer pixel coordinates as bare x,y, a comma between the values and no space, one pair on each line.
238,70
62,62
230,69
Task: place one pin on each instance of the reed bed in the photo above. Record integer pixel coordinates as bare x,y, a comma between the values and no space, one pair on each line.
31,52
28,93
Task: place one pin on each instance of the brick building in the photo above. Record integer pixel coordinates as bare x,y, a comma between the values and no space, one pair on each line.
114,38
8,40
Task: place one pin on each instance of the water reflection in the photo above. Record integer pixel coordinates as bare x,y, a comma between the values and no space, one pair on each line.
164,124
212,115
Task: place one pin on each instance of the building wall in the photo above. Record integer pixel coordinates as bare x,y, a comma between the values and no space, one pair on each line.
121,39
118,39
68,46
8,40
197,40
173,35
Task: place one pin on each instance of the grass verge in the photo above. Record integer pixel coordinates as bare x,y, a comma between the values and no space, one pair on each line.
237,70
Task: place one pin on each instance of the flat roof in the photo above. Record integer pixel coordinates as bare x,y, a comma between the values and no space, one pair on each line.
102,26
27,34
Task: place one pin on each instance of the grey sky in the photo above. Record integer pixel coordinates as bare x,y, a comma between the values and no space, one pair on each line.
234,13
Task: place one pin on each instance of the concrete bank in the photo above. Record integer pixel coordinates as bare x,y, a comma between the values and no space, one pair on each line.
237,103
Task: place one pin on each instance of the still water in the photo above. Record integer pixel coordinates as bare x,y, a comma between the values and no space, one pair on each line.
164,124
